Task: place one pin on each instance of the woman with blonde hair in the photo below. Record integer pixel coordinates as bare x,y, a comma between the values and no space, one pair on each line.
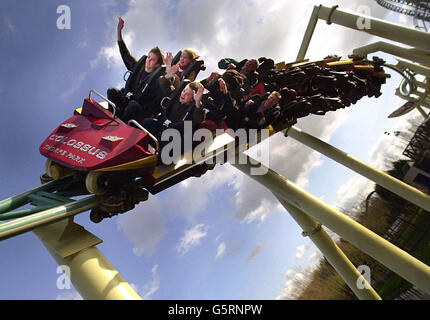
178,71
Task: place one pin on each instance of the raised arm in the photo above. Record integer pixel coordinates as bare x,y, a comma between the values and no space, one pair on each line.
171,70
198,96
199,112
126,56
120,27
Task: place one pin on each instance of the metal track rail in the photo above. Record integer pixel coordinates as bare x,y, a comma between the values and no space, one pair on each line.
52,202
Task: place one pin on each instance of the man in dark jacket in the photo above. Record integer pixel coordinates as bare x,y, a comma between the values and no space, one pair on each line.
143,91
262,111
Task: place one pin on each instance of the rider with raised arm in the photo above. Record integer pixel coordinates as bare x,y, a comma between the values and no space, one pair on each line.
143,91
186,59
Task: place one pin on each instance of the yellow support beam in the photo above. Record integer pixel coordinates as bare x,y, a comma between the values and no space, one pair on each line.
394,258
92,275
334,255
385,180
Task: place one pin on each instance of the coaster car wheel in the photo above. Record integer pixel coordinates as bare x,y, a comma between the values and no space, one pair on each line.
55,170
94,183
96,215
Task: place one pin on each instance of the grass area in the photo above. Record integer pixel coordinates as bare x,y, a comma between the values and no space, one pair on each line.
421,252
409,234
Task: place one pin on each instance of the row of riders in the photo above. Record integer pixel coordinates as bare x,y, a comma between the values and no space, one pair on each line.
161,91
233,99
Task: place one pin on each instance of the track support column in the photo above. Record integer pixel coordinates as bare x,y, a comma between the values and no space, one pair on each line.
332,253
91,273
377,27
385,180
408,267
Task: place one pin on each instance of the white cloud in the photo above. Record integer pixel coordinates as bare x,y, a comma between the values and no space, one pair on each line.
191,238
149,289
297,277
301,251
289,158
191,196
291,285
261,212
255,252
315,256
144,226
110,54
228,248
289,273
350,193
220,250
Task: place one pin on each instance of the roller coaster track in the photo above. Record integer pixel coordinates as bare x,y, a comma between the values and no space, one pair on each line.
416,8
52,202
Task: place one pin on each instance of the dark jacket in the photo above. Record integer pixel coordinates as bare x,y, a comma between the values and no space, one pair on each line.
221,106
147,88
136,67
251,115
177,113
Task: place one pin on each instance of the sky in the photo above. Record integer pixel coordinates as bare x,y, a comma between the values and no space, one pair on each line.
220,236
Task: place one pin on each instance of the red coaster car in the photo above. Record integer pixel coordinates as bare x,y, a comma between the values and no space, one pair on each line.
96,141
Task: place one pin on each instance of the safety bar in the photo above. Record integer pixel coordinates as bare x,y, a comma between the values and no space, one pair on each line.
105,99
137,124
163,102
125,74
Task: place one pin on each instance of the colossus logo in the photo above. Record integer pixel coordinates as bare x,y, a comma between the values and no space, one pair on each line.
85,147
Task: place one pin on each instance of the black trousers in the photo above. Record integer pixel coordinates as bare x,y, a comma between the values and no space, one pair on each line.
133,111
119,99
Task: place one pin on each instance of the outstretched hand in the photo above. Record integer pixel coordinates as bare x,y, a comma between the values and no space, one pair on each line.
119,28
167,60
120,23
231,66
170,70
198,95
